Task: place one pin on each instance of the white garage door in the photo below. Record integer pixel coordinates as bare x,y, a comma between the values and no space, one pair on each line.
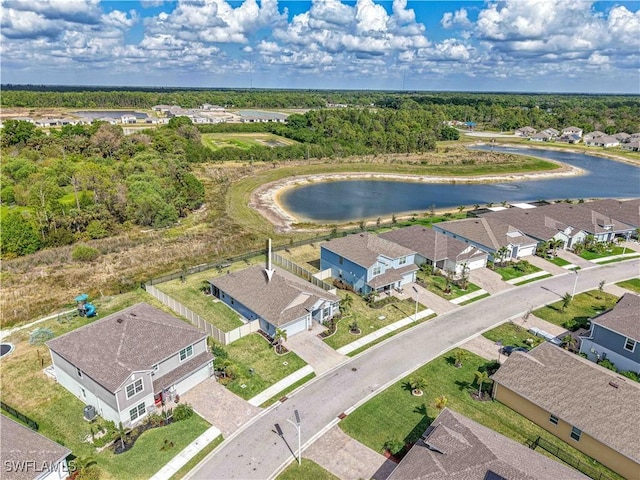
526,251
296,327
476,264
194,379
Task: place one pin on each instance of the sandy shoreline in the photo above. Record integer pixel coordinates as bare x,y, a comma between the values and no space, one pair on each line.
266,198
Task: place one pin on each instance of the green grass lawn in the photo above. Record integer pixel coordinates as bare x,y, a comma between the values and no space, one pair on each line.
306,471
197,458
512,334
368,319
633,284
437,284
516,270
396,414
583,307
244,141
254,351
608,252
546,275
561,262
616,260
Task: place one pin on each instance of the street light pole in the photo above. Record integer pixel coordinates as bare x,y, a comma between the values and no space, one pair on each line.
415,317
297,425
575,284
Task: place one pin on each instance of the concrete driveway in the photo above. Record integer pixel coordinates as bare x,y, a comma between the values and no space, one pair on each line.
573,258
546,265
218,406
425,297
488,280
314,351
485,348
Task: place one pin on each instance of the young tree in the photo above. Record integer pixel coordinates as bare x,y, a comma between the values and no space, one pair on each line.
441,402
417,384
566,301
346,303
459,357
502,254
279,338
481,378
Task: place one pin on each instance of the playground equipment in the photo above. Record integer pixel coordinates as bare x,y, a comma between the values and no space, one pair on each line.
85,309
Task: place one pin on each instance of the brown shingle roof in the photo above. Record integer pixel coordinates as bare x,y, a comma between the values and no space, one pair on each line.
487,231
282,300
532,221
391,275
457,448
584,217
625,211
131,340
21,444
597,401
624,317
364,248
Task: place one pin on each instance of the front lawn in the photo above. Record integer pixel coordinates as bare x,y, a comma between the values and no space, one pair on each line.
577,314
437,284
307,470
608,252
561,262
255,352
516,269
396,415
512,334
369,319
633,284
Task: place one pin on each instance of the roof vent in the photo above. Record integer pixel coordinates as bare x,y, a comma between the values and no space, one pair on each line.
133,314
119,320
614,385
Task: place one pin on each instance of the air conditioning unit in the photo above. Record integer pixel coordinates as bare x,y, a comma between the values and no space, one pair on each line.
90,413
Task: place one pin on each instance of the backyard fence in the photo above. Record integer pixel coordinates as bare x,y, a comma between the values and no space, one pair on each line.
224,338
587,468
23,418
299,271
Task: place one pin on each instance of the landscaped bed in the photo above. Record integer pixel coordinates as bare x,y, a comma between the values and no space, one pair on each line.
369,319
578,312
396,416
255,364
437,284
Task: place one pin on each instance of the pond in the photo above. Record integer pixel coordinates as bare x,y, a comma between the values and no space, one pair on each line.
108,113
347,200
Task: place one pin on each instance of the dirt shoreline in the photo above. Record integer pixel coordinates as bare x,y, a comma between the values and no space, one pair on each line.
266,198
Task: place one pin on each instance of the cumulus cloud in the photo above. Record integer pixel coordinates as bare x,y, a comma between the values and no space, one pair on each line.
458,18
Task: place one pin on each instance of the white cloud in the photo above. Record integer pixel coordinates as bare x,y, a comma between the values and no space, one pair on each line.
459,18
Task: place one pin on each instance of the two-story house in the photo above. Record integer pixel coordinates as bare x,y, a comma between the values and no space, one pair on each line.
127,364
615,335
283,302
368,263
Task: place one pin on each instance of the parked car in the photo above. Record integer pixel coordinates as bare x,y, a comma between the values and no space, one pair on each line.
509,349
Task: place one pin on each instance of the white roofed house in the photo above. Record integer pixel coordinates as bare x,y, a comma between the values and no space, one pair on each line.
129,119
631,146
572,131
540,137
604,141
525,131
591,135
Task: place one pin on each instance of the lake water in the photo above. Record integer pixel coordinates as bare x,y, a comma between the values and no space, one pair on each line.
92,114
356,199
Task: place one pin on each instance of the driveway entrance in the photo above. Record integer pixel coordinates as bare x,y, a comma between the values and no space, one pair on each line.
314,351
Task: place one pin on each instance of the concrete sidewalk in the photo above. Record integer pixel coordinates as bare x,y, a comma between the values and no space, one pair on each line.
383,331
468,296
524,278
276,388
630,255
190,451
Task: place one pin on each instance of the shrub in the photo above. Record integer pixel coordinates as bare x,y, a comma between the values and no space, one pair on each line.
393,445
606,363
632,375
41,335
84,253
182,412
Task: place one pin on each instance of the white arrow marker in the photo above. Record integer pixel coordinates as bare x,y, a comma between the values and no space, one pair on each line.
270,271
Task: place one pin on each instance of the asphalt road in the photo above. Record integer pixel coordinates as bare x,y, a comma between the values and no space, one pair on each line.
257,451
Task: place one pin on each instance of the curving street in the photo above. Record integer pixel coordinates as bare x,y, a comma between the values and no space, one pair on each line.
258,452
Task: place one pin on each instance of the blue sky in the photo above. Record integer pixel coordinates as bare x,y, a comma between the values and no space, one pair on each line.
511,45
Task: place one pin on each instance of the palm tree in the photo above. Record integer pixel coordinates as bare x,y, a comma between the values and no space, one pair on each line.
460,208
555,245
459,356
481,378
346,303
441,402
279,338
417,384
566,301
501,254
569,342
476,206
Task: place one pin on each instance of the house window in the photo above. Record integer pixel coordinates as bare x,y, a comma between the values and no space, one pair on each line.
79,372
186,352
402,260
137,411
340,260
135,387
575,433
376,270
553,419
326,312
630,344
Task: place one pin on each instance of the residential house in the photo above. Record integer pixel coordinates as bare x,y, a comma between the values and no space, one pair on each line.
128,119
525,132
27,455
285,301
583,217
589,407
457,448
368,263
127,364
572,131
625,211
541,137
621,136
161,108
551,131
435,248
490,235
604,141
615,335
592,135
633,146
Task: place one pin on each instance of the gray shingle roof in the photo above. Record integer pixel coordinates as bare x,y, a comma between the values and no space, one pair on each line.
532,221
627,211
487,231
21,444
391,275
624,317
364,248
430,244
597,401
131,340
282,300
584,217
457,448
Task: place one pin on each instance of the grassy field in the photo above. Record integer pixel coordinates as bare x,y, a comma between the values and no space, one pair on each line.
633,284
395,414
306,471
368,319
512,334
577,314
437,284
244,141
255,352
307,256
516,270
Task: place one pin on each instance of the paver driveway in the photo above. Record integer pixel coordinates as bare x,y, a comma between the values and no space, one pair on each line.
314,351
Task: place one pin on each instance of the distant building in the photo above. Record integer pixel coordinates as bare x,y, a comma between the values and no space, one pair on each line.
525,132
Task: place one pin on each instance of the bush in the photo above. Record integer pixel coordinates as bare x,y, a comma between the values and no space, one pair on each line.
182,412
632,375
84,253
606,363
41,335
393,445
